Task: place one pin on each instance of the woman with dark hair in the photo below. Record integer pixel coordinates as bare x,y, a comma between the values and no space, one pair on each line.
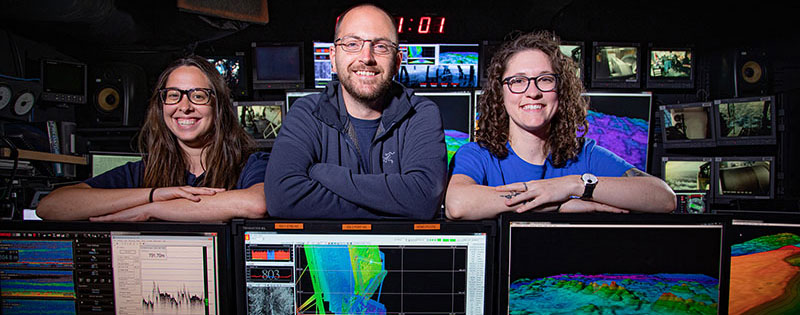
528,155
199,165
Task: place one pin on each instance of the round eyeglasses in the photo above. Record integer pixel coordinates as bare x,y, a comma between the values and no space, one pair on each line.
355,44
197,96
519,84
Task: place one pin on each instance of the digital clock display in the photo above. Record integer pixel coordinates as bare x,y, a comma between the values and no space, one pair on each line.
420,24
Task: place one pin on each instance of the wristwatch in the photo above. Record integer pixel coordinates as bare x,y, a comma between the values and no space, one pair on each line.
589,182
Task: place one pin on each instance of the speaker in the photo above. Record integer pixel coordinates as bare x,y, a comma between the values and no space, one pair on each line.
18,98
118,96
751,73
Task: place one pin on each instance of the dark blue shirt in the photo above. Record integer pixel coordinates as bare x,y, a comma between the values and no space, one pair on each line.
365,132
131,174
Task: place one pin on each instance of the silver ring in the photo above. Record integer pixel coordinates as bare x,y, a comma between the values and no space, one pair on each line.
526,185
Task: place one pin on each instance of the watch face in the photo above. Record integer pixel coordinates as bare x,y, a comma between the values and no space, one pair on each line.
589,179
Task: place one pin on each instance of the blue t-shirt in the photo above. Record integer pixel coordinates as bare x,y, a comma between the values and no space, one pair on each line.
486,169
131,174
365,132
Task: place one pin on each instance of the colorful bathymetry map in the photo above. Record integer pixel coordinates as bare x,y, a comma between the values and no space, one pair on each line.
348,279
626,137
615,294
765,275
454,140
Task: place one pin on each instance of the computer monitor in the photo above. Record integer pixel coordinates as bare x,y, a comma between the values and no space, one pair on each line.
632,264
439,65
102,162
233,69
691,179
616,65
488,48
278,66
63,81
744,178
764,248
261,119
574,50
292,96
670,67
457,117
620,122
324,267
745,121
323,69
113,268
476,103
688,125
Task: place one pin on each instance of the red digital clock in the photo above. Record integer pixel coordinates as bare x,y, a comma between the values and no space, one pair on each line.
420,25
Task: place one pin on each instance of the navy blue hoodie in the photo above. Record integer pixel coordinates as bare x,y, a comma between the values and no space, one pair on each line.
315,172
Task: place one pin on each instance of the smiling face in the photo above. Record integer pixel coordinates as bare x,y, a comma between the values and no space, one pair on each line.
532,110
189,122
364,75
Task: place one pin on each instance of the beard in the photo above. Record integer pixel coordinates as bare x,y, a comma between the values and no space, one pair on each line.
367,93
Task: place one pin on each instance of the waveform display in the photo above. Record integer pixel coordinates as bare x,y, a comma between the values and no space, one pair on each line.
37,307
454,140
617,293
16,283
270,300
181,301
271,254
36,254
765,277
626,137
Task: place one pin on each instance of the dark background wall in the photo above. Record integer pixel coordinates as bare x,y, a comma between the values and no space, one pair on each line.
152,33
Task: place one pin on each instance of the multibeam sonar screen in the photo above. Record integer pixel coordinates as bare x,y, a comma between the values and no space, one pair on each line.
594,268
103,272
322,64
457,117
765,255
620,122
439,65
364,274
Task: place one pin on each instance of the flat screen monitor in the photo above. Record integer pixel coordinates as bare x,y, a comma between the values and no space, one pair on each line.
691,180
632,264
233,69
113,268
292,96
278,66
457,117
364,268
574,51
476,102
102,162
764,250
323,69
745,121
688,125
670,68
616,65
744,178
620,122
261,119
439,65
63,81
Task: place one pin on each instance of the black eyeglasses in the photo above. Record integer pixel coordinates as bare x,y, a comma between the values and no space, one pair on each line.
197,96
519,84
354,44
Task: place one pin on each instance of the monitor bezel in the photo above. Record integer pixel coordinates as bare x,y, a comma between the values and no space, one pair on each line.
299,94
277,84
710,160
748,140
616,83
61,97
314,61
478,68
262,143
671,83
711,141
649,152
465,93
721,198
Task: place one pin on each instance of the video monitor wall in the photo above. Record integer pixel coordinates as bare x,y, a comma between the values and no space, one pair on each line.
323,69
233,69
439,65
261,119
457,117
631,265
335,268
670,68
745,121
620,122
102,162
82,268
688,125
691,179
278,66
616,65
744,178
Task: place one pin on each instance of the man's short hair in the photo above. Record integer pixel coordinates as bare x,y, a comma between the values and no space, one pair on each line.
340,18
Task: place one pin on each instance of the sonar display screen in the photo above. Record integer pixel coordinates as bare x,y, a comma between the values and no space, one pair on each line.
620,122
439,65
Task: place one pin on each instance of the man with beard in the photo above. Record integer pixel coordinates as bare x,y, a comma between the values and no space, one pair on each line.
365,147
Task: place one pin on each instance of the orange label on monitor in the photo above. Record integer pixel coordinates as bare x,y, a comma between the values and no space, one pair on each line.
288,226
427,226
356,227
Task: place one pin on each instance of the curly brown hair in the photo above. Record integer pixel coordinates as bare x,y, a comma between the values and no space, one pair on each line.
227,144
562,141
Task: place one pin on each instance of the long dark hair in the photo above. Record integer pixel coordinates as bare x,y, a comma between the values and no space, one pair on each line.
562,141
227,144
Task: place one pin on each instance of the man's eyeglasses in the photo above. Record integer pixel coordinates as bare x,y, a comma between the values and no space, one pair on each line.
519,84
355,44
198,96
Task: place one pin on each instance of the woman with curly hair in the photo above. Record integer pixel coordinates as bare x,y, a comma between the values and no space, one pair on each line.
528,155
199,165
